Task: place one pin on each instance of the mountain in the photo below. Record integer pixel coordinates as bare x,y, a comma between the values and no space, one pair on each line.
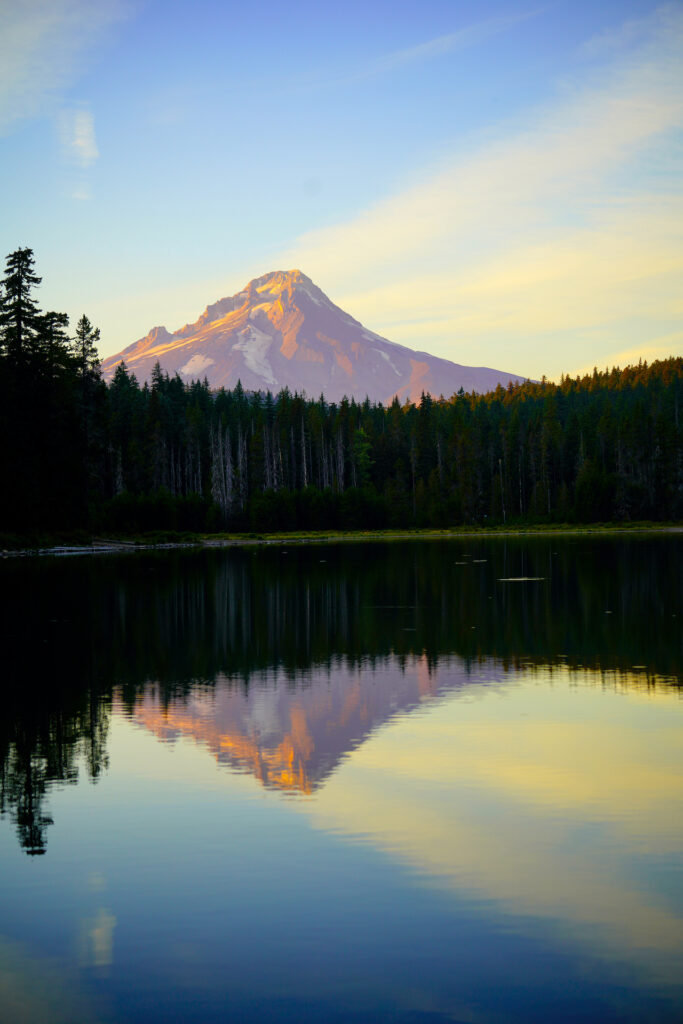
282,331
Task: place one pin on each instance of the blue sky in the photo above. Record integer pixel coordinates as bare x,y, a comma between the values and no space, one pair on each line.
496,183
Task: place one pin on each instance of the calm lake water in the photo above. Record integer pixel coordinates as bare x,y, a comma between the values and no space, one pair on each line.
411,782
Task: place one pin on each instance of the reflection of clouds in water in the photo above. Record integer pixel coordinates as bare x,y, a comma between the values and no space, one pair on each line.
553,803
291,734
35,990
547,790
97,940
96,881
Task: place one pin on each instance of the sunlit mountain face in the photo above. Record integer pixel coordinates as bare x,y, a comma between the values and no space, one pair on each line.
282,331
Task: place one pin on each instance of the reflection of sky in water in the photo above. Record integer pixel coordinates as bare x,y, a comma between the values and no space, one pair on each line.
551,802
547,795
444,830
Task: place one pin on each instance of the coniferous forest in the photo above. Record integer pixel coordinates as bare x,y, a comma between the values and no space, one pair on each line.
79,454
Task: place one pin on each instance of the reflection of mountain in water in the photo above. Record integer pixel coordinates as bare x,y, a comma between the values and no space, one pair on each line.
279,619
292,737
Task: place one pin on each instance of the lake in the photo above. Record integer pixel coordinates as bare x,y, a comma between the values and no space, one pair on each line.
411,782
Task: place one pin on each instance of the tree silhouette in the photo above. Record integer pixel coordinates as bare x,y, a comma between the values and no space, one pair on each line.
19,313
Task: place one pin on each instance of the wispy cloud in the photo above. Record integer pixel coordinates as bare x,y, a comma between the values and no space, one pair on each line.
562,224
43,46
76,126
451,42
470,35
77,134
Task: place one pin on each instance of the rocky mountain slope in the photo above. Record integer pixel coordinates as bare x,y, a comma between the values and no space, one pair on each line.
282,331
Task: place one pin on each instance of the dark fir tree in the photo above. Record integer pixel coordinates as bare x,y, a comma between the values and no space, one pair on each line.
19,313
54,344
86,357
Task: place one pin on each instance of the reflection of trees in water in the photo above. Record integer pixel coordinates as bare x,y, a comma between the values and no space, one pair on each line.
42,745
75,630
190,618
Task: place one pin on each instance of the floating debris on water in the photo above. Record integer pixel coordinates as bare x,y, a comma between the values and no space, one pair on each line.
518,579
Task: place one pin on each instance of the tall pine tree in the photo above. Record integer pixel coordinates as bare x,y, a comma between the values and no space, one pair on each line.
19,313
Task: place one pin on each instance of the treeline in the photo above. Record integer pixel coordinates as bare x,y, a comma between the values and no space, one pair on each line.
52,403
174,456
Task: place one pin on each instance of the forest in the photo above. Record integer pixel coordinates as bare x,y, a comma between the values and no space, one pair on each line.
125,457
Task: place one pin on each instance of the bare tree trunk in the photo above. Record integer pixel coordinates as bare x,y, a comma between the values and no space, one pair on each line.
502,488
118,478
340,461
228,475
267,467
217,469
521,503
280,466
323,461
292,479
242,468
303,455
188,468
413,457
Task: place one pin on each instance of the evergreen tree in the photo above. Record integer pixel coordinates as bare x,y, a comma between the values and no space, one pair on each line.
53,343
84,350
19,313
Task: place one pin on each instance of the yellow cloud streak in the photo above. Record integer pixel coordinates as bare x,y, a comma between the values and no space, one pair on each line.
519,864
624,265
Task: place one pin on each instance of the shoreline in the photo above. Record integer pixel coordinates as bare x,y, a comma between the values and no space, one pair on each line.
102,546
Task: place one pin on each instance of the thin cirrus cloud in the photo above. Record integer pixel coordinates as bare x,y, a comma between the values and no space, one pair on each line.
568,222
43,46
451,42
471,35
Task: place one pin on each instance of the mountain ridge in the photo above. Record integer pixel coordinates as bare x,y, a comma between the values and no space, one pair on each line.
281,330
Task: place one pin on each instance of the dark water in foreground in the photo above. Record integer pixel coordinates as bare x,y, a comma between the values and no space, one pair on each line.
415,782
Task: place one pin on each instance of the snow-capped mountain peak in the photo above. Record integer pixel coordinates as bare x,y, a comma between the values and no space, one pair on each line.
281,330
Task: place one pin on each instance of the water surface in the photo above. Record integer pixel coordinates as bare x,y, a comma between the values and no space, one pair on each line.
436,781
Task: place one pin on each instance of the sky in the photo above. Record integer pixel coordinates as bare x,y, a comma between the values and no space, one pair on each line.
497,183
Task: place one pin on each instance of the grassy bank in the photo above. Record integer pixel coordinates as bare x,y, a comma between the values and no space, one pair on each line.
83,543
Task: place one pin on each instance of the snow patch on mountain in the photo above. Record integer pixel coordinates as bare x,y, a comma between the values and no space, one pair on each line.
387,358
310,293
196,365
259,307
255,344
